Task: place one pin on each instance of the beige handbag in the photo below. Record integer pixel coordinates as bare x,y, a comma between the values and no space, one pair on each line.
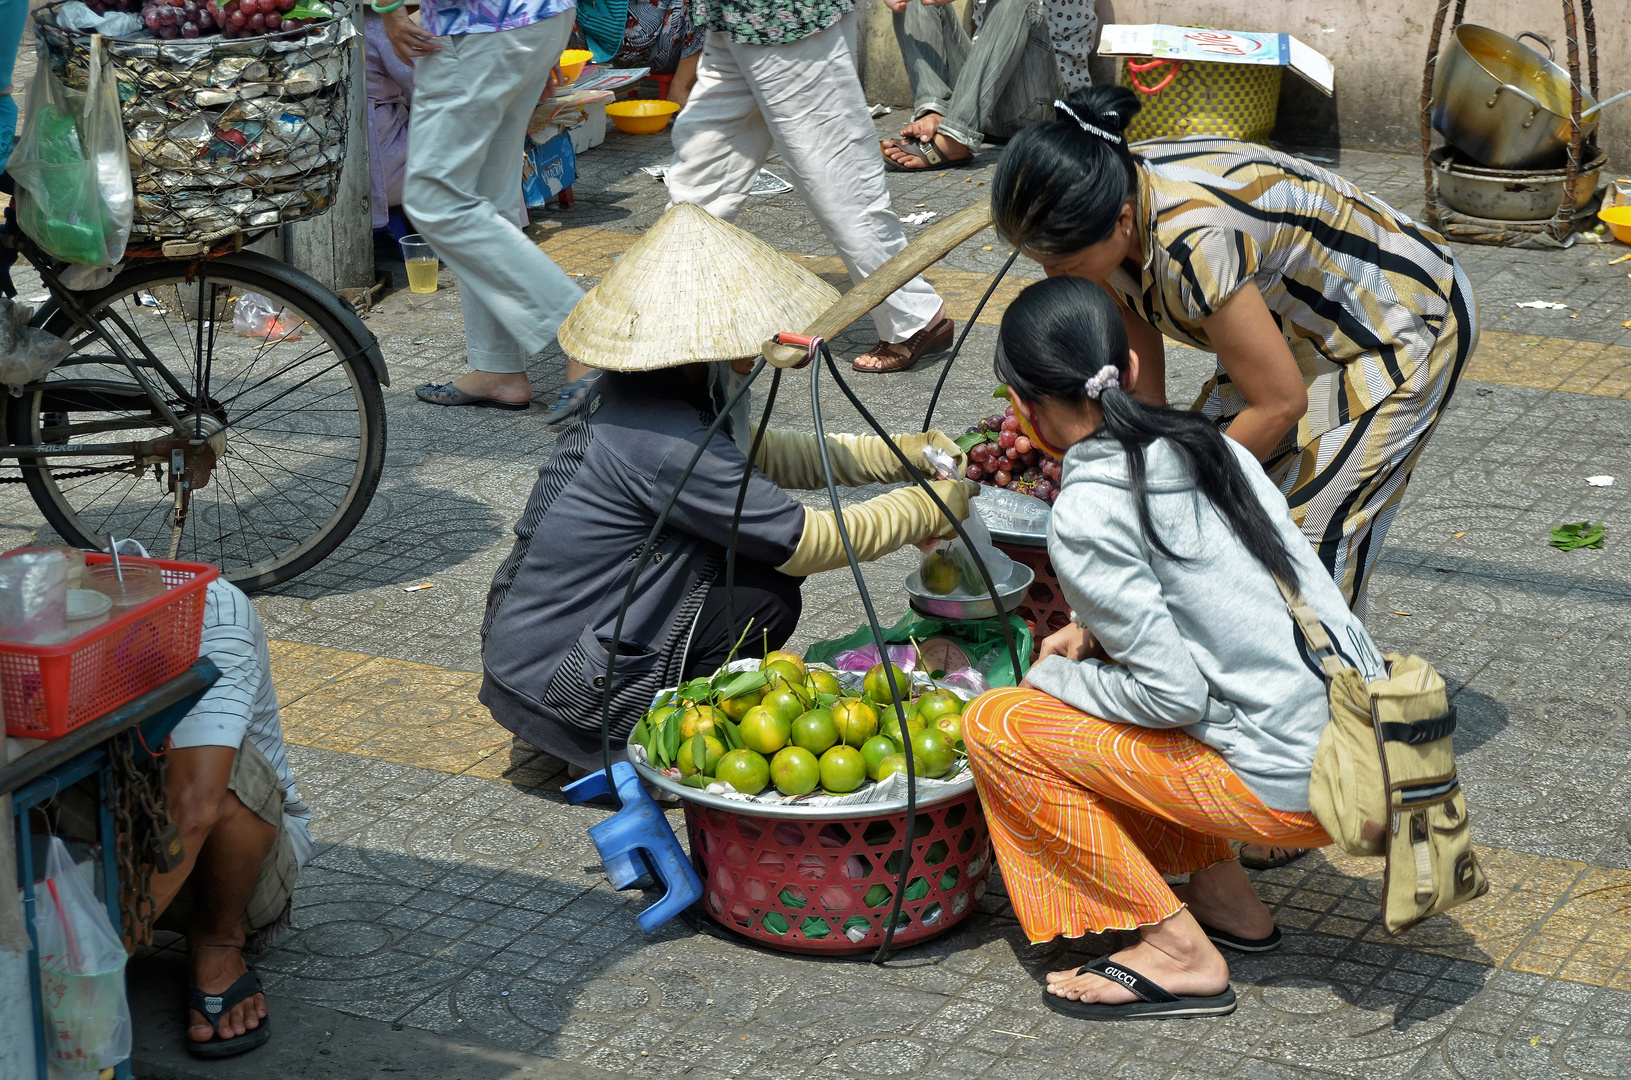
1384,779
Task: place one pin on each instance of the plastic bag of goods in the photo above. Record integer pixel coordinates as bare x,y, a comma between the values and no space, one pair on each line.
253,315
75,198
82,971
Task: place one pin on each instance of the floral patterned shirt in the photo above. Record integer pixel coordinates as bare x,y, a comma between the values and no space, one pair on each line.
770,22
444,17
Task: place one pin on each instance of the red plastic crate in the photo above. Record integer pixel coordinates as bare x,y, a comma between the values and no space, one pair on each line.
825,886
1044,609
49,690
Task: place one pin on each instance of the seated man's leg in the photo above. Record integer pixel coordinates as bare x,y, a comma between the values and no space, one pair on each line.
1003,65
933,46
226,846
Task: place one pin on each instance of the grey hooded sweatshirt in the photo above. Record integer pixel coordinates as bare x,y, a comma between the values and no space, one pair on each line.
1206,644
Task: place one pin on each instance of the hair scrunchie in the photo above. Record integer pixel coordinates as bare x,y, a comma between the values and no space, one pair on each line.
1085,126
1108,378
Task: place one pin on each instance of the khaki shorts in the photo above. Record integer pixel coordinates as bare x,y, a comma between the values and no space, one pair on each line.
256,785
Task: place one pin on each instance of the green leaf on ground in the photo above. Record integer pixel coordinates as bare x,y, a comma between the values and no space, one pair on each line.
1578,534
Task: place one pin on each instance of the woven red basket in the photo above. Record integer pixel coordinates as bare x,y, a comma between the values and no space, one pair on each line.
1044,608
820,885
49,690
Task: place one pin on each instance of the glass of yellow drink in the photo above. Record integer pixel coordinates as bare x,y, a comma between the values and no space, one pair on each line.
422,265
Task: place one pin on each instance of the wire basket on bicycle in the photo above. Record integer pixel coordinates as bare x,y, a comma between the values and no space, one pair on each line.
224,135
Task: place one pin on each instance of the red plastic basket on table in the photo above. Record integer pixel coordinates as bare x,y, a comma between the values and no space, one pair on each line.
1044,608
814,885
49,690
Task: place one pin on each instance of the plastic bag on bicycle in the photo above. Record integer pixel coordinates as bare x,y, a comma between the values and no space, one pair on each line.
26,352
73,176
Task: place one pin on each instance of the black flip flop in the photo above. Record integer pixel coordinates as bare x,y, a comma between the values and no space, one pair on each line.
1155,1002
1240,944
215,1006
929,153
448,394
1251,863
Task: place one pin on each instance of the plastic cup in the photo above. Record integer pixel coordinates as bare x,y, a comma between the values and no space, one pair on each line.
142,582
422,264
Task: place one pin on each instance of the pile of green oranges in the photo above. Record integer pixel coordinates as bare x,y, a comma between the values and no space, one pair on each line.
798,729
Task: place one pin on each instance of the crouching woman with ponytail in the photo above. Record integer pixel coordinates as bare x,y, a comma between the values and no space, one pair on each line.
1178,711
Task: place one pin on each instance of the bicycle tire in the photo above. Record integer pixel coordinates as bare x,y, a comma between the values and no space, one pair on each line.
293,295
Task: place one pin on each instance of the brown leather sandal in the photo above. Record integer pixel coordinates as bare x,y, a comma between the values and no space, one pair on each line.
900,355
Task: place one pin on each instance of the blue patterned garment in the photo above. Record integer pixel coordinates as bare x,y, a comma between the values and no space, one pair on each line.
659,34
445,17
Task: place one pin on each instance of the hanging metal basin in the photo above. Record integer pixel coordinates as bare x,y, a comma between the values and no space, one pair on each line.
1511,194
1504,104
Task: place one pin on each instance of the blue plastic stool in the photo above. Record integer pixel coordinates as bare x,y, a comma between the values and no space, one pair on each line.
637,841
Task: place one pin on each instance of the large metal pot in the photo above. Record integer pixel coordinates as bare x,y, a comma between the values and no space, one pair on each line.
1510,194
1504,104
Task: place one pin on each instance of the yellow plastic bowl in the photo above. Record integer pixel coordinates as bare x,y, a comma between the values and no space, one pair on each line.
1618,220
641,117
572,61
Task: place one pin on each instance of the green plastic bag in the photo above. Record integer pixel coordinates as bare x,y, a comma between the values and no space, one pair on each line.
981,639
74,194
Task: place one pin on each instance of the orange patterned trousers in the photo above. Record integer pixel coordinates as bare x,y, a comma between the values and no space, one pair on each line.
1087,815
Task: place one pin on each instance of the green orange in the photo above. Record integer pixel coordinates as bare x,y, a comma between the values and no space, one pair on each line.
937,703
784,672
703,718
932,752
823,682
763,731
890,723
875,750
876,684
795,771
787,701
687,756
890,765
738,706
783,656
856,721
815,731
842,770
744,770
951,724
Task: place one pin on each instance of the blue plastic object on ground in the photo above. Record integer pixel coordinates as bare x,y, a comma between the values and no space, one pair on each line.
637,841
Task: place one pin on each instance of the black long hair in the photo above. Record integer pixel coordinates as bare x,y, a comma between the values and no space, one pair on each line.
1060,186
1056,335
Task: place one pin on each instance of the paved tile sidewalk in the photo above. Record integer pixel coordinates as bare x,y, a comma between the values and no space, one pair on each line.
457,898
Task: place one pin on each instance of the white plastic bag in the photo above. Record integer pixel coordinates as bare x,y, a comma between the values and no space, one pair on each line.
82,971
26,352
73,175
254,316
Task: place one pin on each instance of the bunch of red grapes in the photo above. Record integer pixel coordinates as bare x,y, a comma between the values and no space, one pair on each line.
1007,459
102,7
171,19
246,18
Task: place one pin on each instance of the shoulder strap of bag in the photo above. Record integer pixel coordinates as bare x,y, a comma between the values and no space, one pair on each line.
1313,630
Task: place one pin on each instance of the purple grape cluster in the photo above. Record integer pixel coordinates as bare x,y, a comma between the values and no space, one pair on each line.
171,19
246,18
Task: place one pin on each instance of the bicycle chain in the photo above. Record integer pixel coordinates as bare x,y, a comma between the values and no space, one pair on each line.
69,475
144,834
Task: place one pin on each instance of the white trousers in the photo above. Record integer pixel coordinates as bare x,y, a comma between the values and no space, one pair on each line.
805,99
462,190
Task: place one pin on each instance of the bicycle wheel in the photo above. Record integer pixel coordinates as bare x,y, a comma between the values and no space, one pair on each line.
281,406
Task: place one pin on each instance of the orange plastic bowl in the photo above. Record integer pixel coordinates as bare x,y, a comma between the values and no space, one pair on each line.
641,117
572,61
1618,220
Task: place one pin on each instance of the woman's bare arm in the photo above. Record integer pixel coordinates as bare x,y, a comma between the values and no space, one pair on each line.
1255,355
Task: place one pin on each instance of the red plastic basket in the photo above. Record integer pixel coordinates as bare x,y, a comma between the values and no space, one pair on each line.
1044,608
49,690
820,885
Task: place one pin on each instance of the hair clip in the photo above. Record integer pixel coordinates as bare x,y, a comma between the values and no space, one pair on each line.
1108,378
1084,125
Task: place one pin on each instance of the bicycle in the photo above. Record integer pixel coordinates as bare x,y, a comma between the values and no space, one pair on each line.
256,445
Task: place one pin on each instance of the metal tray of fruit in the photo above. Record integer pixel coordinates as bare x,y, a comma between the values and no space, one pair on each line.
964,604
929,792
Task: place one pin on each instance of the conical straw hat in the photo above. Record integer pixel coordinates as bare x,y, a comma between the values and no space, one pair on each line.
693,288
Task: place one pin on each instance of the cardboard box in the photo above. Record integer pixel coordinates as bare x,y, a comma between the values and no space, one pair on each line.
1220,47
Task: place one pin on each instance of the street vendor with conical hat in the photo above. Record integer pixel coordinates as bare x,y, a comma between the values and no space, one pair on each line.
668,328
